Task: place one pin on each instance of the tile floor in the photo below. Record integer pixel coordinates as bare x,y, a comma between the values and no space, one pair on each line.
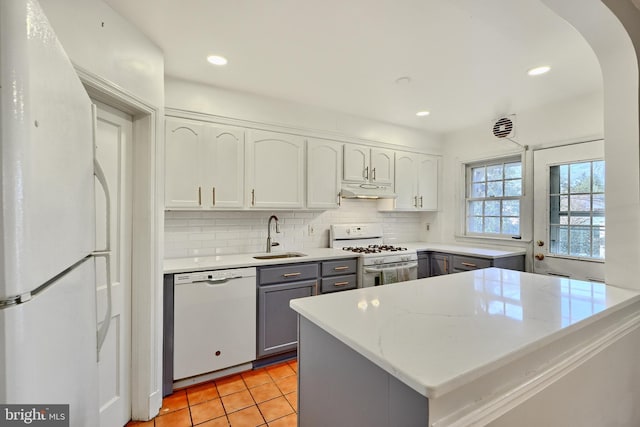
265,397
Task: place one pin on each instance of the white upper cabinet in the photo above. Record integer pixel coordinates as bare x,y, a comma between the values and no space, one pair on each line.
363,164
406,180
428,183
204,167
275,170
416,181
182,174
324,165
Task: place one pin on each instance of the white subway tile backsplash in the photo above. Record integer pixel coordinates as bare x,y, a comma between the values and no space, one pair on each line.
193,233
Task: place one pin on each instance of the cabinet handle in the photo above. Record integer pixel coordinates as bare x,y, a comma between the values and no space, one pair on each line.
339,200
199,196
373,174
420,201
415,201
213,195
366,172
339,284
290,274
342,267
469,264
253,197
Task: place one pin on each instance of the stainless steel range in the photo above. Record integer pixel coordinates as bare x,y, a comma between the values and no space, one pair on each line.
379,264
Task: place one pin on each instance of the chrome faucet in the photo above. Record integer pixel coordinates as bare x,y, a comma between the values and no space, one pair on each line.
269,244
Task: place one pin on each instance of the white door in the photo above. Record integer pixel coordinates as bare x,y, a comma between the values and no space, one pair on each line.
114,153
222,165
356,163
569,221
428,183
182,165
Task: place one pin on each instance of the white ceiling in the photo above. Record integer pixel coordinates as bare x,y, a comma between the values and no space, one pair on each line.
467,59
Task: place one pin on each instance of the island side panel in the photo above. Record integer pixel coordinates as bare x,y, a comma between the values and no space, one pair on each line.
337,386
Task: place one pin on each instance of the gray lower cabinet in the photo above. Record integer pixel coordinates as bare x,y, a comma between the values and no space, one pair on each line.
339,275
439,264
423,265
277,322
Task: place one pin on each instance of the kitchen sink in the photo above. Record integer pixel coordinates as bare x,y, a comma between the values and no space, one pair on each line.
280,255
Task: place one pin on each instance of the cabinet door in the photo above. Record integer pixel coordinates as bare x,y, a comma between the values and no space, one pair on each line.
277,322
182,171
276,169
406,182
428,183
382,166
440,264
324,164
356,163
223,168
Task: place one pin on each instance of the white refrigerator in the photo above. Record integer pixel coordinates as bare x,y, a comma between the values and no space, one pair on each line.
48,327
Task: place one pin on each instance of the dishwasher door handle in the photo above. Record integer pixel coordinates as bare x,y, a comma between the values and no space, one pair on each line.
219,281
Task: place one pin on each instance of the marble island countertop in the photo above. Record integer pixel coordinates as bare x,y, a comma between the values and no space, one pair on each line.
438,334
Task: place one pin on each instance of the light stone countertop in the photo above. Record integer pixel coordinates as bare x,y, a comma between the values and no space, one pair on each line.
184,265
440,333
217,262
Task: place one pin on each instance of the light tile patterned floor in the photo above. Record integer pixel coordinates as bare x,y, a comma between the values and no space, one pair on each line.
265,397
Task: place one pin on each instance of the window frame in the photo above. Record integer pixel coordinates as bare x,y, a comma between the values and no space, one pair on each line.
468,180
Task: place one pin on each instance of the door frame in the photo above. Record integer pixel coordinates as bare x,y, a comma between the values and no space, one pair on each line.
147,224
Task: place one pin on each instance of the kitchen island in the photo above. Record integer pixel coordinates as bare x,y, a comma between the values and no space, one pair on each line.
485,347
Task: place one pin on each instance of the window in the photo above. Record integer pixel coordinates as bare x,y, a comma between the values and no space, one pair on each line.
493,196
576,209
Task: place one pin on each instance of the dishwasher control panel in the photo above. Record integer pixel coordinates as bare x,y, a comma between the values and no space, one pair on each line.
214,275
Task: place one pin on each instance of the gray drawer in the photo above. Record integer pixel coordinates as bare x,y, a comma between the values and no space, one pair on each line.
463,263
339,267
287,273
338,283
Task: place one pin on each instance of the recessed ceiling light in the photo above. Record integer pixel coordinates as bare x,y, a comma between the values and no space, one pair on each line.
539,70
403,80
422,113
217,60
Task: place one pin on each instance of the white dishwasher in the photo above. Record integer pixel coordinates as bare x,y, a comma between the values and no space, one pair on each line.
214,321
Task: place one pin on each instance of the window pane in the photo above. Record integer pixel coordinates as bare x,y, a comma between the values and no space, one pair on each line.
564,219
580,220
580,241
494,172
513,170
475,224
581,203
511,208
478,190
598,202
477,174
492,225
564,179
475,208
511,226
559,238
598,242
564,203
598,220
492,208
580,177
598,177
513,187
494,189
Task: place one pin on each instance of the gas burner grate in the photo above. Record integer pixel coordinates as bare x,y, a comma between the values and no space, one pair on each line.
374,249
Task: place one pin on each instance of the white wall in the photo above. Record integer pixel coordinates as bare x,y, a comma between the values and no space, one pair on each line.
211,100
192,233
574,120
99,40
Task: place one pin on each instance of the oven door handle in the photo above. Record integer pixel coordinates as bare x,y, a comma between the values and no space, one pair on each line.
394,266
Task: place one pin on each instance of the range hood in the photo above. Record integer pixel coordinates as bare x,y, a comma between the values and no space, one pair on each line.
367,191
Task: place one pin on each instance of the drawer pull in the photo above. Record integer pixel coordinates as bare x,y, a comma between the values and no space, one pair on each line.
469,264
342,267
338,284
290,274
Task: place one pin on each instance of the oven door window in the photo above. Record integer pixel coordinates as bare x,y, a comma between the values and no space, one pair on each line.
385,274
